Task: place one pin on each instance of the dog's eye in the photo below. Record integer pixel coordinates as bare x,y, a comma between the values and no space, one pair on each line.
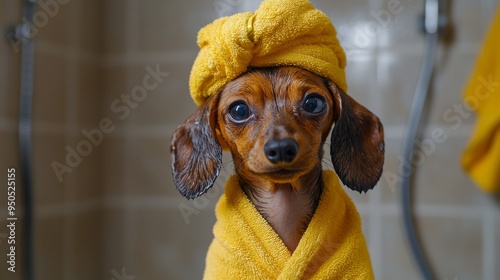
314,104
239,112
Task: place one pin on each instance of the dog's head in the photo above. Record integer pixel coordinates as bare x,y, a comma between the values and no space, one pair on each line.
275,122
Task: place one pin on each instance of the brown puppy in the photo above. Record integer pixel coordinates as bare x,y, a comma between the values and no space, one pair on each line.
275,122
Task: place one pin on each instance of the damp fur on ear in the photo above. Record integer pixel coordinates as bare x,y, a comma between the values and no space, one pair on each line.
357,144
196,154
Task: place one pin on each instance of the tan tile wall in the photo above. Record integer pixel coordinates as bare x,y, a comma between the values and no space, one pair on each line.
9,110
118,211
68,85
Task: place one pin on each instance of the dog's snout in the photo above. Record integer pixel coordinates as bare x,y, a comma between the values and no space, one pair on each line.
281,150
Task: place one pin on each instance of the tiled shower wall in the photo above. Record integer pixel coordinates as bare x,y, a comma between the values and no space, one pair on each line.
117,212
68,91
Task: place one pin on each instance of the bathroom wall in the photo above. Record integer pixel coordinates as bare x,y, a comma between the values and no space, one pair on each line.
111,82
9,88
68,91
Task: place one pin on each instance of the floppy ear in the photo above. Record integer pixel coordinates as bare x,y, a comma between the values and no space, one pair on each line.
196,154
357,144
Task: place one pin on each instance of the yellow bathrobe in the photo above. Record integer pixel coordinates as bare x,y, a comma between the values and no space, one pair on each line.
481,158
246,247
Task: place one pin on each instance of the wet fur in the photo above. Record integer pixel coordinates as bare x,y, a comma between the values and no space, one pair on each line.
285,194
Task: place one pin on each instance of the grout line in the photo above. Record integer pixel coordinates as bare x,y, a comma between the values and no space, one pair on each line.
43,127
375,232
152,131
68,52
489,246
116,59
160,130
495,243
466,212
77,208
4,72
423,210
149,203
6,57
69,209
164,202
98,204
183,56
374,200
72,90
417,49
398,131
132,21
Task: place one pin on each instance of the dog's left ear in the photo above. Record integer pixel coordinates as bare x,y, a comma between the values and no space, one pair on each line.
357,144
196,153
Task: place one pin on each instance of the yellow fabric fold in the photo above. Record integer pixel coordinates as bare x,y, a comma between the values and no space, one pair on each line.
246,247
279,33
481,158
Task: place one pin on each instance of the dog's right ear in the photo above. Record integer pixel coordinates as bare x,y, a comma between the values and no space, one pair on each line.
196,153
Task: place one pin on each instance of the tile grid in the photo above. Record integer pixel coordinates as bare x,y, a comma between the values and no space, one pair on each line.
69,128
131,42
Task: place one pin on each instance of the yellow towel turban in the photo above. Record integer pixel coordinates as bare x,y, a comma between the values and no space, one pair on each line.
279,33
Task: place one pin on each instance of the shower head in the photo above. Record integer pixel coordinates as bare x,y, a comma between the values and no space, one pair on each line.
431,16
434,18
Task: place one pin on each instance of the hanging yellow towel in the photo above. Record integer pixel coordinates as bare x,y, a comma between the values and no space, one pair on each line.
246,247
481,158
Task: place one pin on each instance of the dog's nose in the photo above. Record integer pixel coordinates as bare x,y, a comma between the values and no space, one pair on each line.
281,150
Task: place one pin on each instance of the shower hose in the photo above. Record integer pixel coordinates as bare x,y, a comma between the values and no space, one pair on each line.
21,33
415,115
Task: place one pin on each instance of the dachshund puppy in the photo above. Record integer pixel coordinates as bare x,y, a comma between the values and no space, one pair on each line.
275,122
